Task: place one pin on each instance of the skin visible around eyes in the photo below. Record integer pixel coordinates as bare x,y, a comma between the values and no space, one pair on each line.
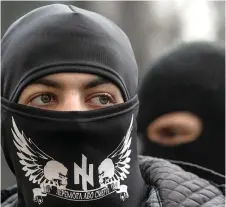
175,128
71,92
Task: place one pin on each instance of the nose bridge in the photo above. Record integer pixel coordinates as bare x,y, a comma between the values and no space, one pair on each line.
72,101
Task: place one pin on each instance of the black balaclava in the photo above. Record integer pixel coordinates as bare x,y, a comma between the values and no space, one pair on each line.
190,78
70,158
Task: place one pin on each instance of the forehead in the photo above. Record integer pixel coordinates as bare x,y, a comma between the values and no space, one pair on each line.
71,80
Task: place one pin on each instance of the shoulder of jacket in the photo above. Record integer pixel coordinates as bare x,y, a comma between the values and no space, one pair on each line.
9,197
175,187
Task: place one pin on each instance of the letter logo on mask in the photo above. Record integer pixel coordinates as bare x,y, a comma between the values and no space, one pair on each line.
51,175
82,171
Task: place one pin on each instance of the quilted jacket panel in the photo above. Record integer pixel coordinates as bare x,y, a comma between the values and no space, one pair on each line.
177,187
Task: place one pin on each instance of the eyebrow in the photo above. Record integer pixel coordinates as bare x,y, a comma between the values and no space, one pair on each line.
47,82
54,84
96,82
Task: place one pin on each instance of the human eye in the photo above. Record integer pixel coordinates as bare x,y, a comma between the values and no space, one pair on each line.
43,99
101,100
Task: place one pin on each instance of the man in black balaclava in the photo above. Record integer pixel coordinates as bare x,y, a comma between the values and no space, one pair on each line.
182,109
69,105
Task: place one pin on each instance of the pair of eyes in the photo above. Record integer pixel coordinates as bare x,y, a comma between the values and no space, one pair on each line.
98,100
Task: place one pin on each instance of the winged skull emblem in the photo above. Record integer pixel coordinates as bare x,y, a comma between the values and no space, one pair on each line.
114,168
39,167
43,170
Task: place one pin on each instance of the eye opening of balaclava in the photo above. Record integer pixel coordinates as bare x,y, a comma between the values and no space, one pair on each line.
191,79
63,158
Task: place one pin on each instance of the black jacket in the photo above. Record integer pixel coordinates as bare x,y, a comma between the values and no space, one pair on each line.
168,186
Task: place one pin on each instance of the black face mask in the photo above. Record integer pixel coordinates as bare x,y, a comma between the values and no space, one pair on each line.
70,158
190,79
73,158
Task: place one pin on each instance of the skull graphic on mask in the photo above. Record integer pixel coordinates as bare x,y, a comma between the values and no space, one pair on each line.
57,173
106,171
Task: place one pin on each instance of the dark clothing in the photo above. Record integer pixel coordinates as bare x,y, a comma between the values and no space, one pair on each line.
168,186
190,79
52,150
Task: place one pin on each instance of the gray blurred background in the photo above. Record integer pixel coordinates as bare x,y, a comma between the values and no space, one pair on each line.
152,27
